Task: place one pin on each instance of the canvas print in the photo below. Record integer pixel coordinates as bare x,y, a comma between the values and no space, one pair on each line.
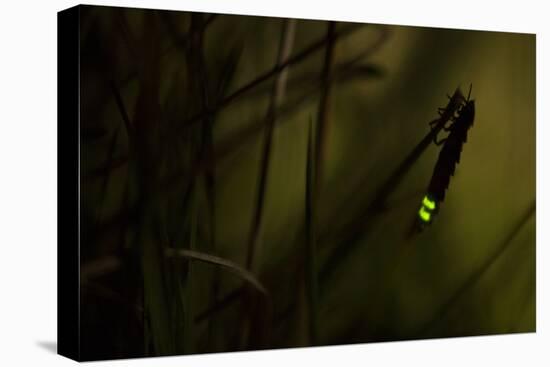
249,182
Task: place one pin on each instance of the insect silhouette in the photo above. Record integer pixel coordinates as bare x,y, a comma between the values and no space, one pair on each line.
461,120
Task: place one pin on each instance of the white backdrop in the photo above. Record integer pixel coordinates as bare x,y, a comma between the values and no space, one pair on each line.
28,176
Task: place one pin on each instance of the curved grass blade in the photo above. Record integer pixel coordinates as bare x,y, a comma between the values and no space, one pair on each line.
219,261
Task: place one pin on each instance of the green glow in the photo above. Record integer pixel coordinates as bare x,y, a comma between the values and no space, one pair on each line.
424,215
430,204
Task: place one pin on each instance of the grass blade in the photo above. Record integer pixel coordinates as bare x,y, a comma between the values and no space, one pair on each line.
311,246
285,48
228,265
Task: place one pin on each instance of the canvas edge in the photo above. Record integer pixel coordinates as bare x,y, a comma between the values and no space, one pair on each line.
68,183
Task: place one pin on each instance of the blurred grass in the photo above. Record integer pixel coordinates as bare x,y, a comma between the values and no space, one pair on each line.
194,93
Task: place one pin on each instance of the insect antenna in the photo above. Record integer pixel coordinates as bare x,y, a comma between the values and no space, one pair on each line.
469,91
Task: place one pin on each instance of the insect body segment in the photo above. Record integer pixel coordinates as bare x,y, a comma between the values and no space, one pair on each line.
427,210
449,157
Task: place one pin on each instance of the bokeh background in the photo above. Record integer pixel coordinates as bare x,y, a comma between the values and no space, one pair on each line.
196,238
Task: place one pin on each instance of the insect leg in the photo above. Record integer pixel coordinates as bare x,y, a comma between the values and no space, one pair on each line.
439,142
452,120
